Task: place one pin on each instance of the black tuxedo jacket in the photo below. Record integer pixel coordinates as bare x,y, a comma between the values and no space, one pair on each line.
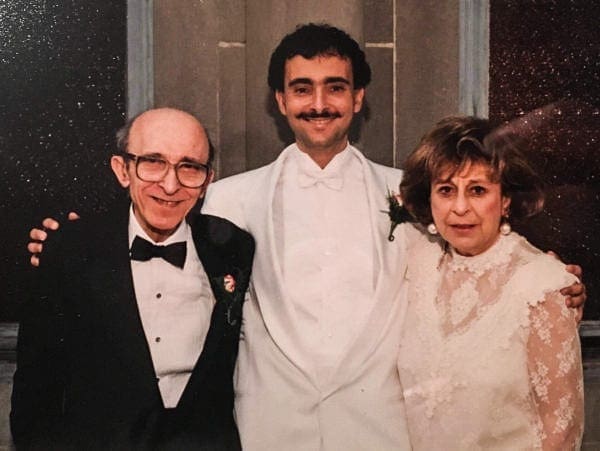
84,375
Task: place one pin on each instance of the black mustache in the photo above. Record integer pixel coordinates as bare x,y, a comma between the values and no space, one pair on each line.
316,115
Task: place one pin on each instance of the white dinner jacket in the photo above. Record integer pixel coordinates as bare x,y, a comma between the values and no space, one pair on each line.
280,404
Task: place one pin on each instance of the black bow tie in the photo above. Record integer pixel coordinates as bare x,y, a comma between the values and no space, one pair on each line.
143,250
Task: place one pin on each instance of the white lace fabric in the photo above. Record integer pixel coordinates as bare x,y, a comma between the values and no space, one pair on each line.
490,356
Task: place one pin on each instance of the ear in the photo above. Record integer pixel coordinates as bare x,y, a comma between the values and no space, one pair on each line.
359,95
119,167
280,102
505,205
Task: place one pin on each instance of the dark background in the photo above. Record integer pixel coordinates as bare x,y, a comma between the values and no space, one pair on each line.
545,55
62,96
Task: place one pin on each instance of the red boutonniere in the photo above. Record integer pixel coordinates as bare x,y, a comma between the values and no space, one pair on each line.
228,291
229,283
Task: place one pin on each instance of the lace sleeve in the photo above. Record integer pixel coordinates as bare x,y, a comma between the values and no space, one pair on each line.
555,373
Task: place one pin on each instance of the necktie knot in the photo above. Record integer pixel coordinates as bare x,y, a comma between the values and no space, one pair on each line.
143,250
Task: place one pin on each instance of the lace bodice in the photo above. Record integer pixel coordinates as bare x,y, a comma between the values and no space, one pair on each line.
490,355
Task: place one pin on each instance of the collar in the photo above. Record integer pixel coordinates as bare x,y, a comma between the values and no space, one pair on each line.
498,254
336,167
182,233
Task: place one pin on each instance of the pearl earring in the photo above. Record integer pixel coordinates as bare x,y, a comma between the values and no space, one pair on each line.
505,228
432,229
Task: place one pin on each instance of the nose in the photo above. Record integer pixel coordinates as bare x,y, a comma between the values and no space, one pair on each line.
461,204
319,99
169,183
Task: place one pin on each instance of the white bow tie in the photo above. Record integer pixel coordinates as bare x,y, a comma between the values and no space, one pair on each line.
332,181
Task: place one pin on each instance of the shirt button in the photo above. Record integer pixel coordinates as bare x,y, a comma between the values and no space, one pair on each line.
158,295
157,339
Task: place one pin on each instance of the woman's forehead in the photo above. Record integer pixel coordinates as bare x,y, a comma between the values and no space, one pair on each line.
468,169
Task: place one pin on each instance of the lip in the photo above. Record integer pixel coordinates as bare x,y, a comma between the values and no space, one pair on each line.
168,203
462,227
319,120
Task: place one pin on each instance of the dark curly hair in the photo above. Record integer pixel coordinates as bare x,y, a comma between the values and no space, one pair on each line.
311,40
455,142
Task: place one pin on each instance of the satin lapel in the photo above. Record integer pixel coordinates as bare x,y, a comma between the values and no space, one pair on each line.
216,329
207,357
111,279
275,302
390,261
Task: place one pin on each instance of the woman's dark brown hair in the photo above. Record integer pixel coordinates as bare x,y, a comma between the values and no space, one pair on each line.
455,142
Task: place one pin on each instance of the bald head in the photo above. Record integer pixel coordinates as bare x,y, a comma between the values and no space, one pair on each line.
168,120
170,139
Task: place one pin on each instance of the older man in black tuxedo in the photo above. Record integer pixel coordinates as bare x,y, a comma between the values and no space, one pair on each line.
130,335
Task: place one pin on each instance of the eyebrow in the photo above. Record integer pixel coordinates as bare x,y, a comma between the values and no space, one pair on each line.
449,180
183,160
308,81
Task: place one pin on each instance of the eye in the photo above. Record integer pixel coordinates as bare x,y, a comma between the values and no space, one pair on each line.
337,88
151,161
478,190
300,90
444,190
188,166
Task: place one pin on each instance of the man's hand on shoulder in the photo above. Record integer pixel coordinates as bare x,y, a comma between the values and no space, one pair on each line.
38,236
575,294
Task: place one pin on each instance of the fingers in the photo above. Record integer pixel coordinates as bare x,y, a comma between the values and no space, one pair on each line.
37,235
34,247
575,270
50,223
579,314
575,290
73,216
575,296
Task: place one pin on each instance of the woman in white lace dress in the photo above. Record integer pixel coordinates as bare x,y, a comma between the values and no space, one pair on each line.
490,357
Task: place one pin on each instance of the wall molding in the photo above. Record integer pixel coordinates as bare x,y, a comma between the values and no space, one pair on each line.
474,57
140,56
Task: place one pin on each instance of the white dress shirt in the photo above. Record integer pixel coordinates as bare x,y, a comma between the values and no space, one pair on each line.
175,307
324,236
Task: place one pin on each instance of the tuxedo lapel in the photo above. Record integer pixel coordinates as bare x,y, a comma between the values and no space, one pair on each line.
205,360
110,274
225,261
275,300
389,268
380,181
217,325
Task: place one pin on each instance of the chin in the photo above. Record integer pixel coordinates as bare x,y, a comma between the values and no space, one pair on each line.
463,249
164,225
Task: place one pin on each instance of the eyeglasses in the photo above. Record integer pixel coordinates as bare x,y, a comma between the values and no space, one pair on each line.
154,169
